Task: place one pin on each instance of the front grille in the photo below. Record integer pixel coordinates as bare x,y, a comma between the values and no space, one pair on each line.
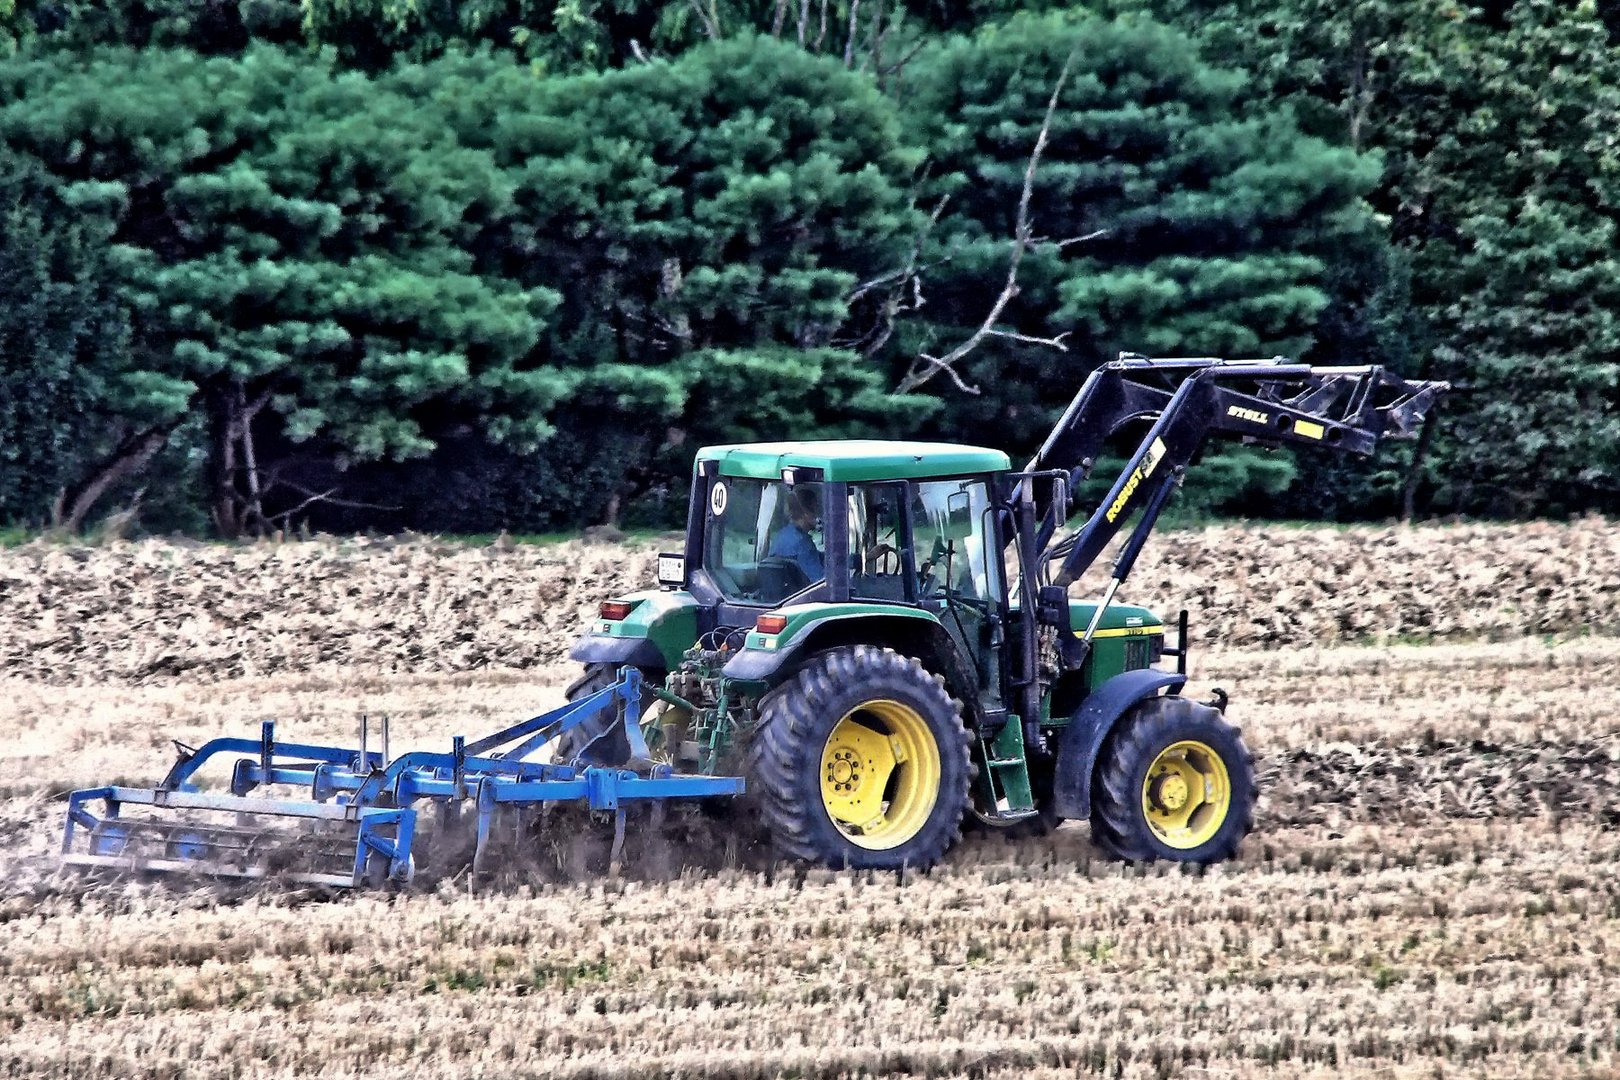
1136,653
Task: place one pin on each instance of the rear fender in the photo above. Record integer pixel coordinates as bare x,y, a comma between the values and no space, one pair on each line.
908,631
661,626
1083,738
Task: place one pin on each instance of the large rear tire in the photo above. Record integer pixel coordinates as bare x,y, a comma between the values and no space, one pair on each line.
861,760
582,744
1174,781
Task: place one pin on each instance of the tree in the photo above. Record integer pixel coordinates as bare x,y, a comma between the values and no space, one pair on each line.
706,222
1169,215
63,334
571,36
209,26
1495,123
294,244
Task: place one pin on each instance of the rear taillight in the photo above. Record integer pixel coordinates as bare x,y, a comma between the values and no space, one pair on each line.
615,610
771,624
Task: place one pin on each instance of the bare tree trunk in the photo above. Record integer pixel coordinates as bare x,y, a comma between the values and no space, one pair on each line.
1415,470
75,504
876,38
226,510
709,17
253,515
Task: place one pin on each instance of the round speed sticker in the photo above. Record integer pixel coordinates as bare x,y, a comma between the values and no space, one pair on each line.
717,498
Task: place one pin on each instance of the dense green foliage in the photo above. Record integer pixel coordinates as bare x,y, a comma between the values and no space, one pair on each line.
483,264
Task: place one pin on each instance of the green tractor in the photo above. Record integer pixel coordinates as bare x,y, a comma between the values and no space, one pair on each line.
879,636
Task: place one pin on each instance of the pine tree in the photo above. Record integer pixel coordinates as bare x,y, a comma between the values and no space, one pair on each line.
1170,214
63,339
294,244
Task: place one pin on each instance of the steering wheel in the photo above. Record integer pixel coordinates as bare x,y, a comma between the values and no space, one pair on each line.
879,556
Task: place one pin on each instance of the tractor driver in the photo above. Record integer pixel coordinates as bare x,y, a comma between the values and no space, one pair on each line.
792,540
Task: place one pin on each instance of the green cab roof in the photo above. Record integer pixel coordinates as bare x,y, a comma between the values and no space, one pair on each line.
854,459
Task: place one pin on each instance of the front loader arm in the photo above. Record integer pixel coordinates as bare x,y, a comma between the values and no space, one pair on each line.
1271,402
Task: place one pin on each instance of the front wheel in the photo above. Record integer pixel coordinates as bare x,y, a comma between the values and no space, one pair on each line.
861,760
1174,781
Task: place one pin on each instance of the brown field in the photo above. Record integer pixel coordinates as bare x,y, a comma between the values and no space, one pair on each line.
1430,891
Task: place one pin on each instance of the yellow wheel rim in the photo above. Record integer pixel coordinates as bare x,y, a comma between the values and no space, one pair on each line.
1186,794
880,774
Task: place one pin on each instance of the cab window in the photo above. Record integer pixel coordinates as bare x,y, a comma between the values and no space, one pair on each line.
950,523
879,550
763,539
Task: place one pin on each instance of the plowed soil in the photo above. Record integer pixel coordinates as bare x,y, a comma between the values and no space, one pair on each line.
1429,891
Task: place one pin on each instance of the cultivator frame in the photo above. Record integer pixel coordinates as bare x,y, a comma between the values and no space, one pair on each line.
362,809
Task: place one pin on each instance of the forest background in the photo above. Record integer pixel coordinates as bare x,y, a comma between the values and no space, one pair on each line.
472,265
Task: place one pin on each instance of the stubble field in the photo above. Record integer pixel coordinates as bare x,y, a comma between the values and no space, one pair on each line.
1430,890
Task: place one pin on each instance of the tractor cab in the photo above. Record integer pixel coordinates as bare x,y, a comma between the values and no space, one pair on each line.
891,522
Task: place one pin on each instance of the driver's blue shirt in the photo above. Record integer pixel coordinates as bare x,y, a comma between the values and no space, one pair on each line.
792,542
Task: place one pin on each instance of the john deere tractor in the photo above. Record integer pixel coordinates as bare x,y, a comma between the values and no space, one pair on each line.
880,638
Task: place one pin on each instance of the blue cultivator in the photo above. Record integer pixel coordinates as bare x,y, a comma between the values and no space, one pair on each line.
359,820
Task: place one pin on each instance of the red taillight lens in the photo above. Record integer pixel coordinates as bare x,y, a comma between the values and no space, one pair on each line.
614,609
771,624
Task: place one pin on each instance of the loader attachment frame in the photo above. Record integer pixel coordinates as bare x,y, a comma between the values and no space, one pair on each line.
1185,402
1188,401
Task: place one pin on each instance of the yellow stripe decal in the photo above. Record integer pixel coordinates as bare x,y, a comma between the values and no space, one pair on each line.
1129,631
1308,429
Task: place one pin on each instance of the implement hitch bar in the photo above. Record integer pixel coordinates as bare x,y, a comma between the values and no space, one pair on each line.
361,810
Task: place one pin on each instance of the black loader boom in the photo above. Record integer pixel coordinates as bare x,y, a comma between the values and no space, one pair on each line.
1184,402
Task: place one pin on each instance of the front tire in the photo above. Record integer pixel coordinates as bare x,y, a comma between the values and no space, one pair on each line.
861,760
1174,781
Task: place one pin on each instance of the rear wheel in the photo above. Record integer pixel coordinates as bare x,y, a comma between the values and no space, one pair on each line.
1174,781
861,760
612,748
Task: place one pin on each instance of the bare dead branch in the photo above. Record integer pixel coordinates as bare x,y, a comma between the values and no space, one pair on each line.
1055,342
328,497
902,273
938,365
849,37
891,310
711,24
917,375
1095,234
900,65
